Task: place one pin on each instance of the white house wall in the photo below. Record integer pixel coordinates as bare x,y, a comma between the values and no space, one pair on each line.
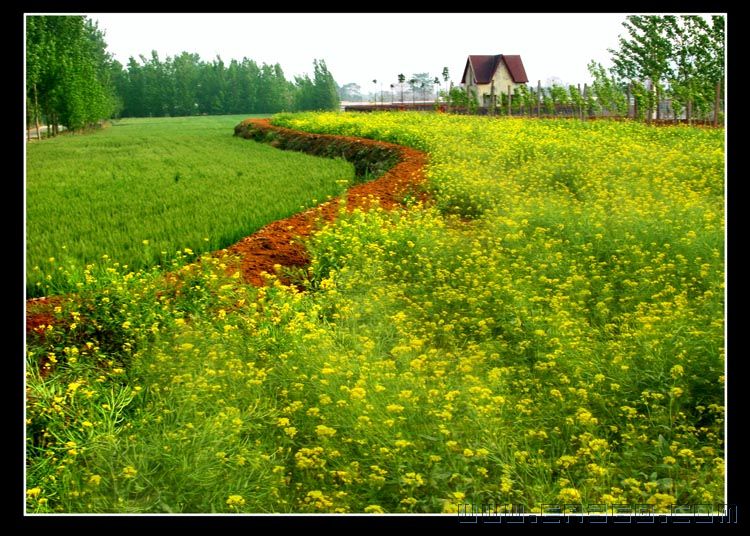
502,80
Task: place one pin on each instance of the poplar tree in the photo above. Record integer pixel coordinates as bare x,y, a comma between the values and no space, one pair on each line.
644,54
68,72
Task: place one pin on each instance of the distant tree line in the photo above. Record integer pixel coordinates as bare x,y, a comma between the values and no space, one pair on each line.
421,86
72,80
186,85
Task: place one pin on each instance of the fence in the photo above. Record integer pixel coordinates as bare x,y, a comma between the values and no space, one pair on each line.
585,108
666,114
426,106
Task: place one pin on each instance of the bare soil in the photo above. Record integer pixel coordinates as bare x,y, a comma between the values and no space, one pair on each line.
279,242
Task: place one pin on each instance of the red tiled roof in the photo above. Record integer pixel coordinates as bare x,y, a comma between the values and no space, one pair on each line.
485,67
515,67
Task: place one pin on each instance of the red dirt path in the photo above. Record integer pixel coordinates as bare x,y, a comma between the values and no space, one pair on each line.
278,242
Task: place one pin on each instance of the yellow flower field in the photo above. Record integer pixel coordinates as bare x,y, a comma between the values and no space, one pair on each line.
549,329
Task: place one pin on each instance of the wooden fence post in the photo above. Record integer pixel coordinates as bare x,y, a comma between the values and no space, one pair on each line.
510,101
627,102
586,108
539,98
580,101
492,99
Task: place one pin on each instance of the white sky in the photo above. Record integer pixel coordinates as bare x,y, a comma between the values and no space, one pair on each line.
360,47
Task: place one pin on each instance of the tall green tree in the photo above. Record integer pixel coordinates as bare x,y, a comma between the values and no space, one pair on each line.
607,93
679,56
186,75
644,54
697,64
326,95
37,47
68,71
350,92
423,82
305,96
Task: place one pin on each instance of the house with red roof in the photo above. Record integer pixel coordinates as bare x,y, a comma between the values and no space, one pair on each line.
487,75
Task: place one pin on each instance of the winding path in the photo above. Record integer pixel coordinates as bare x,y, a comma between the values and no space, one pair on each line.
276,242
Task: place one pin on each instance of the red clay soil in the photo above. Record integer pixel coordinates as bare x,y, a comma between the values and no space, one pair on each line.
39,314
278,242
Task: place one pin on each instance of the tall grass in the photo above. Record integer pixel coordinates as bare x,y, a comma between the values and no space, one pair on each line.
144,188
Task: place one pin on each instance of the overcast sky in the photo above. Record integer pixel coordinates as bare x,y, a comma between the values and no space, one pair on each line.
361,47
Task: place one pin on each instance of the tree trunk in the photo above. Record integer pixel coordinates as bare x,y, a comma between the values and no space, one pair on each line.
689,112
717,101
658,102
36,112
627,102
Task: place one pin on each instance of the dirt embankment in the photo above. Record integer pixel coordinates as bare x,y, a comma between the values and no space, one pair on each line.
401,173
400,170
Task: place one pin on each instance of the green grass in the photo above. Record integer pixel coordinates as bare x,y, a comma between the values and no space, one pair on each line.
173,182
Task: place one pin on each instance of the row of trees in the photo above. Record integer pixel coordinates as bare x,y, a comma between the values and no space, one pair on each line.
72,80
186,85
68,72
681,57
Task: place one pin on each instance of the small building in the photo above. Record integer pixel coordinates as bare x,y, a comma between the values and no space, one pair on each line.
485,76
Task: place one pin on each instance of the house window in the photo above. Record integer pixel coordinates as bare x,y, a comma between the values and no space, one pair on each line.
486,99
